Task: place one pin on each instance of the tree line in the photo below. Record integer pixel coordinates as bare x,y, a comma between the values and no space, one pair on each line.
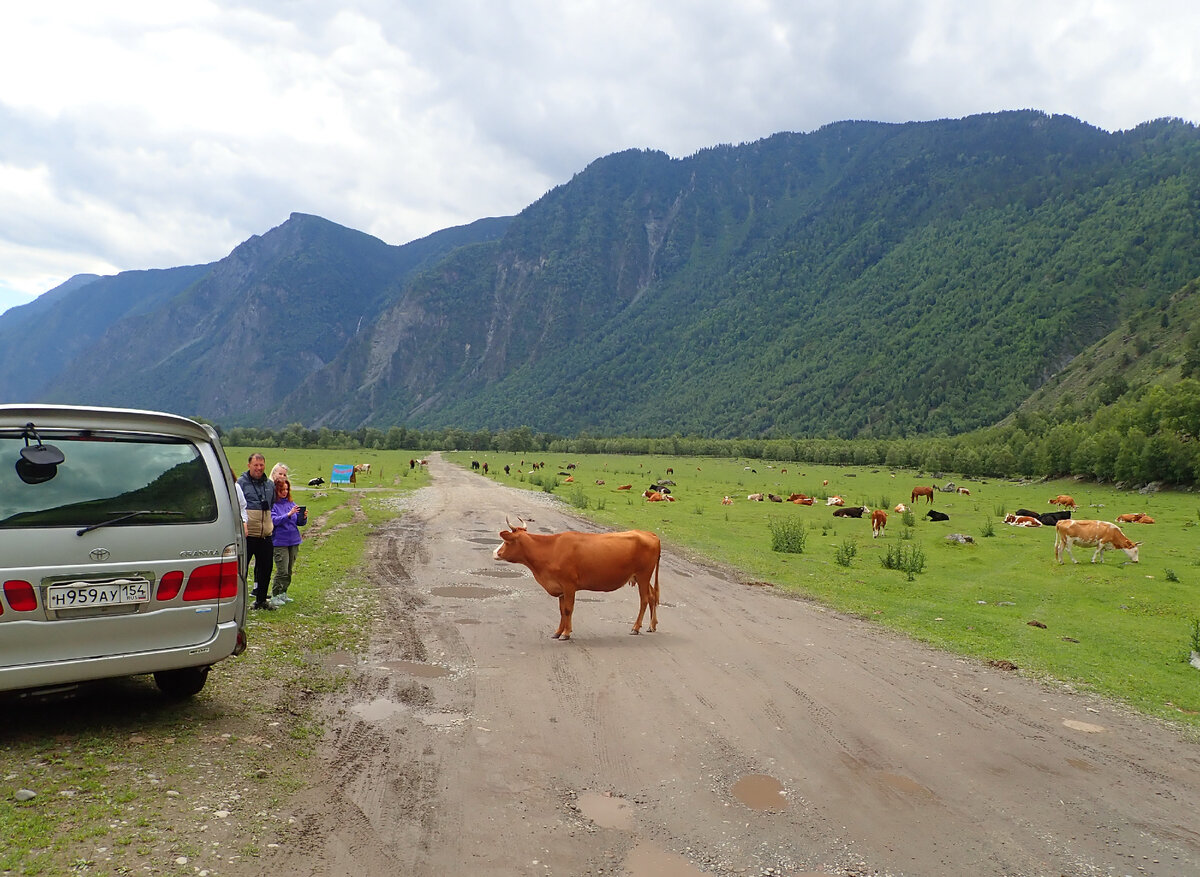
1145,436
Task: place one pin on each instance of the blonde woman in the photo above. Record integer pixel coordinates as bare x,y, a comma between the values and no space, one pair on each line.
286,517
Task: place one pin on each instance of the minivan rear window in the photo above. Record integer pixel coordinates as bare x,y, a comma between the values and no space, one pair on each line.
107,479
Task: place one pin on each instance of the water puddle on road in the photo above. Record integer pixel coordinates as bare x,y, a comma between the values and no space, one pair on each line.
470,592
412,668
606,811
502,573
377,710
760,792
647,860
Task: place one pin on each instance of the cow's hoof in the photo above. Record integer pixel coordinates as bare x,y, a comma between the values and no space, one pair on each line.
634,632
555,635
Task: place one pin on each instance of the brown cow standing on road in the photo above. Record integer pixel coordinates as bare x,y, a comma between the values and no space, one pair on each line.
564,563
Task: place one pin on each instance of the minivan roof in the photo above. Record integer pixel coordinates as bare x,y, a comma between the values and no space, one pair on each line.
85,417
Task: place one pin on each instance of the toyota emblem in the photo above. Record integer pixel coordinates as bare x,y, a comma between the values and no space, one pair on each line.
98,554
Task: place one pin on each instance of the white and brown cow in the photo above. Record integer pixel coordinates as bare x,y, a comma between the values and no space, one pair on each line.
1101,534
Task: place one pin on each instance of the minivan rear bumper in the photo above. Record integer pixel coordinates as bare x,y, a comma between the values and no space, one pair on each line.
51,673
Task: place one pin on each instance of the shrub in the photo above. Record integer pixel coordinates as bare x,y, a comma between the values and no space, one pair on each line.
845,553
1170,576
788,535
988,528
909,559
578,498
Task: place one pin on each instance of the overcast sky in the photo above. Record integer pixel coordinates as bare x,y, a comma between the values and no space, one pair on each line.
155,134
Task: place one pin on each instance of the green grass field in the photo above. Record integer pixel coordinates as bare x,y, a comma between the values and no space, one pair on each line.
1116,629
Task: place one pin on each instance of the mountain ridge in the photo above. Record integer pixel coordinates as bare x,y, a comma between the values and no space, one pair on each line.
865,279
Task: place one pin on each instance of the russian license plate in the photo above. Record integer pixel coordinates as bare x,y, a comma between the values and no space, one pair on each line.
82,595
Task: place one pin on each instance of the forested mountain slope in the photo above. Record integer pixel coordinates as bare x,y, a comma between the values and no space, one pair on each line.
864,279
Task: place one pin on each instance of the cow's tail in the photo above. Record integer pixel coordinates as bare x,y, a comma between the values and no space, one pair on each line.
657,561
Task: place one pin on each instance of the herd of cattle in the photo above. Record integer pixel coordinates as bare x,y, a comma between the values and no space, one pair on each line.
568,562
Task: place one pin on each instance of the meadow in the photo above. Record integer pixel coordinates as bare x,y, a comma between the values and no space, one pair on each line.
1116,629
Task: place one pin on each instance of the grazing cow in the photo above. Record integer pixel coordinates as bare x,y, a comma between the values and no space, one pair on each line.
878,522
485,468
507,469
600,482
901,507
835,500
755,497
474,465
774,497
921,490
964,491
670,471
937,516
1052,518
727,500
564,563
1063,500
1102,534
850,512
316,482
365,468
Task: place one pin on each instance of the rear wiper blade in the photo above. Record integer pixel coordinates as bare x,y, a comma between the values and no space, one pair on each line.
125,517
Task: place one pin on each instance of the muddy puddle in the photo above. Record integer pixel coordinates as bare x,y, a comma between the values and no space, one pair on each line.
468,592
606,811
378,710
647,860
760,792
501,573
413,668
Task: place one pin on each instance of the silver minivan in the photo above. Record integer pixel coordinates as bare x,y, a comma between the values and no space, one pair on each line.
121,548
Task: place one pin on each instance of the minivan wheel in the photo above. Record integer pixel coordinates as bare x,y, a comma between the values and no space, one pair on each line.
181,683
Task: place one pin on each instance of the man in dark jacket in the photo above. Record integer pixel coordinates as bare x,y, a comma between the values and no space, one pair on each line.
260,496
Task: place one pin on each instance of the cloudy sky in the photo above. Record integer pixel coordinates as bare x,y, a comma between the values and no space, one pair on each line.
142,134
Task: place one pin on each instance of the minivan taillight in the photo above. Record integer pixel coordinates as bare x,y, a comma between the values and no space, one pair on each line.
213,581
169,585
19,595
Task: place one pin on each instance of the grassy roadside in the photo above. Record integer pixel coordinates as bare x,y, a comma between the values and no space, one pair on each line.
1119,630
127,782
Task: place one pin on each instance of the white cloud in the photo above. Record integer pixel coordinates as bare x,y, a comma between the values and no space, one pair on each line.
147,134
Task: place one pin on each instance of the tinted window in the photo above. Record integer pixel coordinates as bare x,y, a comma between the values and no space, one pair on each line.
104,477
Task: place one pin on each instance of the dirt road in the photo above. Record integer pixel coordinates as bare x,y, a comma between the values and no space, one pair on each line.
752,734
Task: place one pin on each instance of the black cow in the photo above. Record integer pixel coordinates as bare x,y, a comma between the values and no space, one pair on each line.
937,516
850,512
1049,519
1027,514
660,488
316,482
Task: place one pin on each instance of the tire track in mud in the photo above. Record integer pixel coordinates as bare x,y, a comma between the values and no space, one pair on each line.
372,814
